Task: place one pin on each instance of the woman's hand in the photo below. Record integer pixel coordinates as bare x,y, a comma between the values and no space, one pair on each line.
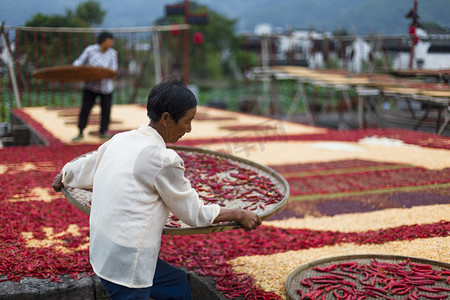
57,184
249,220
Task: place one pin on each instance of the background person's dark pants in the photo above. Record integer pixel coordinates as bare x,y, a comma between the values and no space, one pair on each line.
169,283
88,103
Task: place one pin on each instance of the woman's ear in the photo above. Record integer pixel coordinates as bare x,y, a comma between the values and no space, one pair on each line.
165,118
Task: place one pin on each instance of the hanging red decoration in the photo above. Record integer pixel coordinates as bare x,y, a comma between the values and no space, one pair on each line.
198,38
412,33
175,30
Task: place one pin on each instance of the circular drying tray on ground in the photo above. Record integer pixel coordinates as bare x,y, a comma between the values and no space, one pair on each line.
308,271
221,178
69,73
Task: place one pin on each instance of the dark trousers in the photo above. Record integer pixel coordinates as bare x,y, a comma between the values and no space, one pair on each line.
88,103
169,283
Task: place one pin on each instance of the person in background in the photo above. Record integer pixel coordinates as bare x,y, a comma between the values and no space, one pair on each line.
99,55
136,182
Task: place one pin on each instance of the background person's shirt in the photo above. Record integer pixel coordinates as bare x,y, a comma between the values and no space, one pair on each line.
136,180
92,56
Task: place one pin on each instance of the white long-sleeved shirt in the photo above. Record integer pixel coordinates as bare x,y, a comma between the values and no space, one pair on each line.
92,56
136,181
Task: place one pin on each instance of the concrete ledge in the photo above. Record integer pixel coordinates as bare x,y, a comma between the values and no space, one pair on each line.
29,288
89,288
204,288
23,134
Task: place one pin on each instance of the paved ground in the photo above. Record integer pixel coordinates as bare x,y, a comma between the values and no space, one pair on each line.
332,153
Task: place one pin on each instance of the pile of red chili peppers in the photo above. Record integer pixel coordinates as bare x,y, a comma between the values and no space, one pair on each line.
385,280
221,181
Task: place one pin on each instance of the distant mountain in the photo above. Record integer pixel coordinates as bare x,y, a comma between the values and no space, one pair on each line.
387,16
360,16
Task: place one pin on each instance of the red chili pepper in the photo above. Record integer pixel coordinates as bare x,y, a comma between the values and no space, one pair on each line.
326,277
302,294
375,289
332,287
367,275
350,265
427,289
342,274
362,282
349,283
413,296
314,294
306,282
348,291
326,269
402,291
419,282
432,276
420,266
374,278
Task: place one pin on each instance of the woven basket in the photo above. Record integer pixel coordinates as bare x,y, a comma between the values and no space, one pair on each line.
81,199
293,282
73,73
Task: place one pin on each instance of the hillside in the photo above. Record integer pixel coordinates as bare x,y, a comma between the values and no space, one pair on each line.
362,16
382,16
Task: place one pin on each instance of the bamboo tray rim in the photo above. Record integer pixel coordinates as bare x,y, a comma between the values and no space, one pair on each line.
70,73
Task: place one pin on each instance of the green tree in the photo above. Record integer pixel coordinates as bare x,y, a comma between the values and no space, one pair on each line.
90,12
220,47
41,20
86,14
58,48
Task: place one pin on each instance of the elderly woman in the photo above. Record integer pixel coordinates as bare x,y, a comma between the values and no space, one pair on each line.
136,181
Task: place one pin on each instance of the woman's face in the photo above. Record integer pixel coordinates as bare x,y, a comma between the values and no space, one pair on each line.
176,130
106,44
